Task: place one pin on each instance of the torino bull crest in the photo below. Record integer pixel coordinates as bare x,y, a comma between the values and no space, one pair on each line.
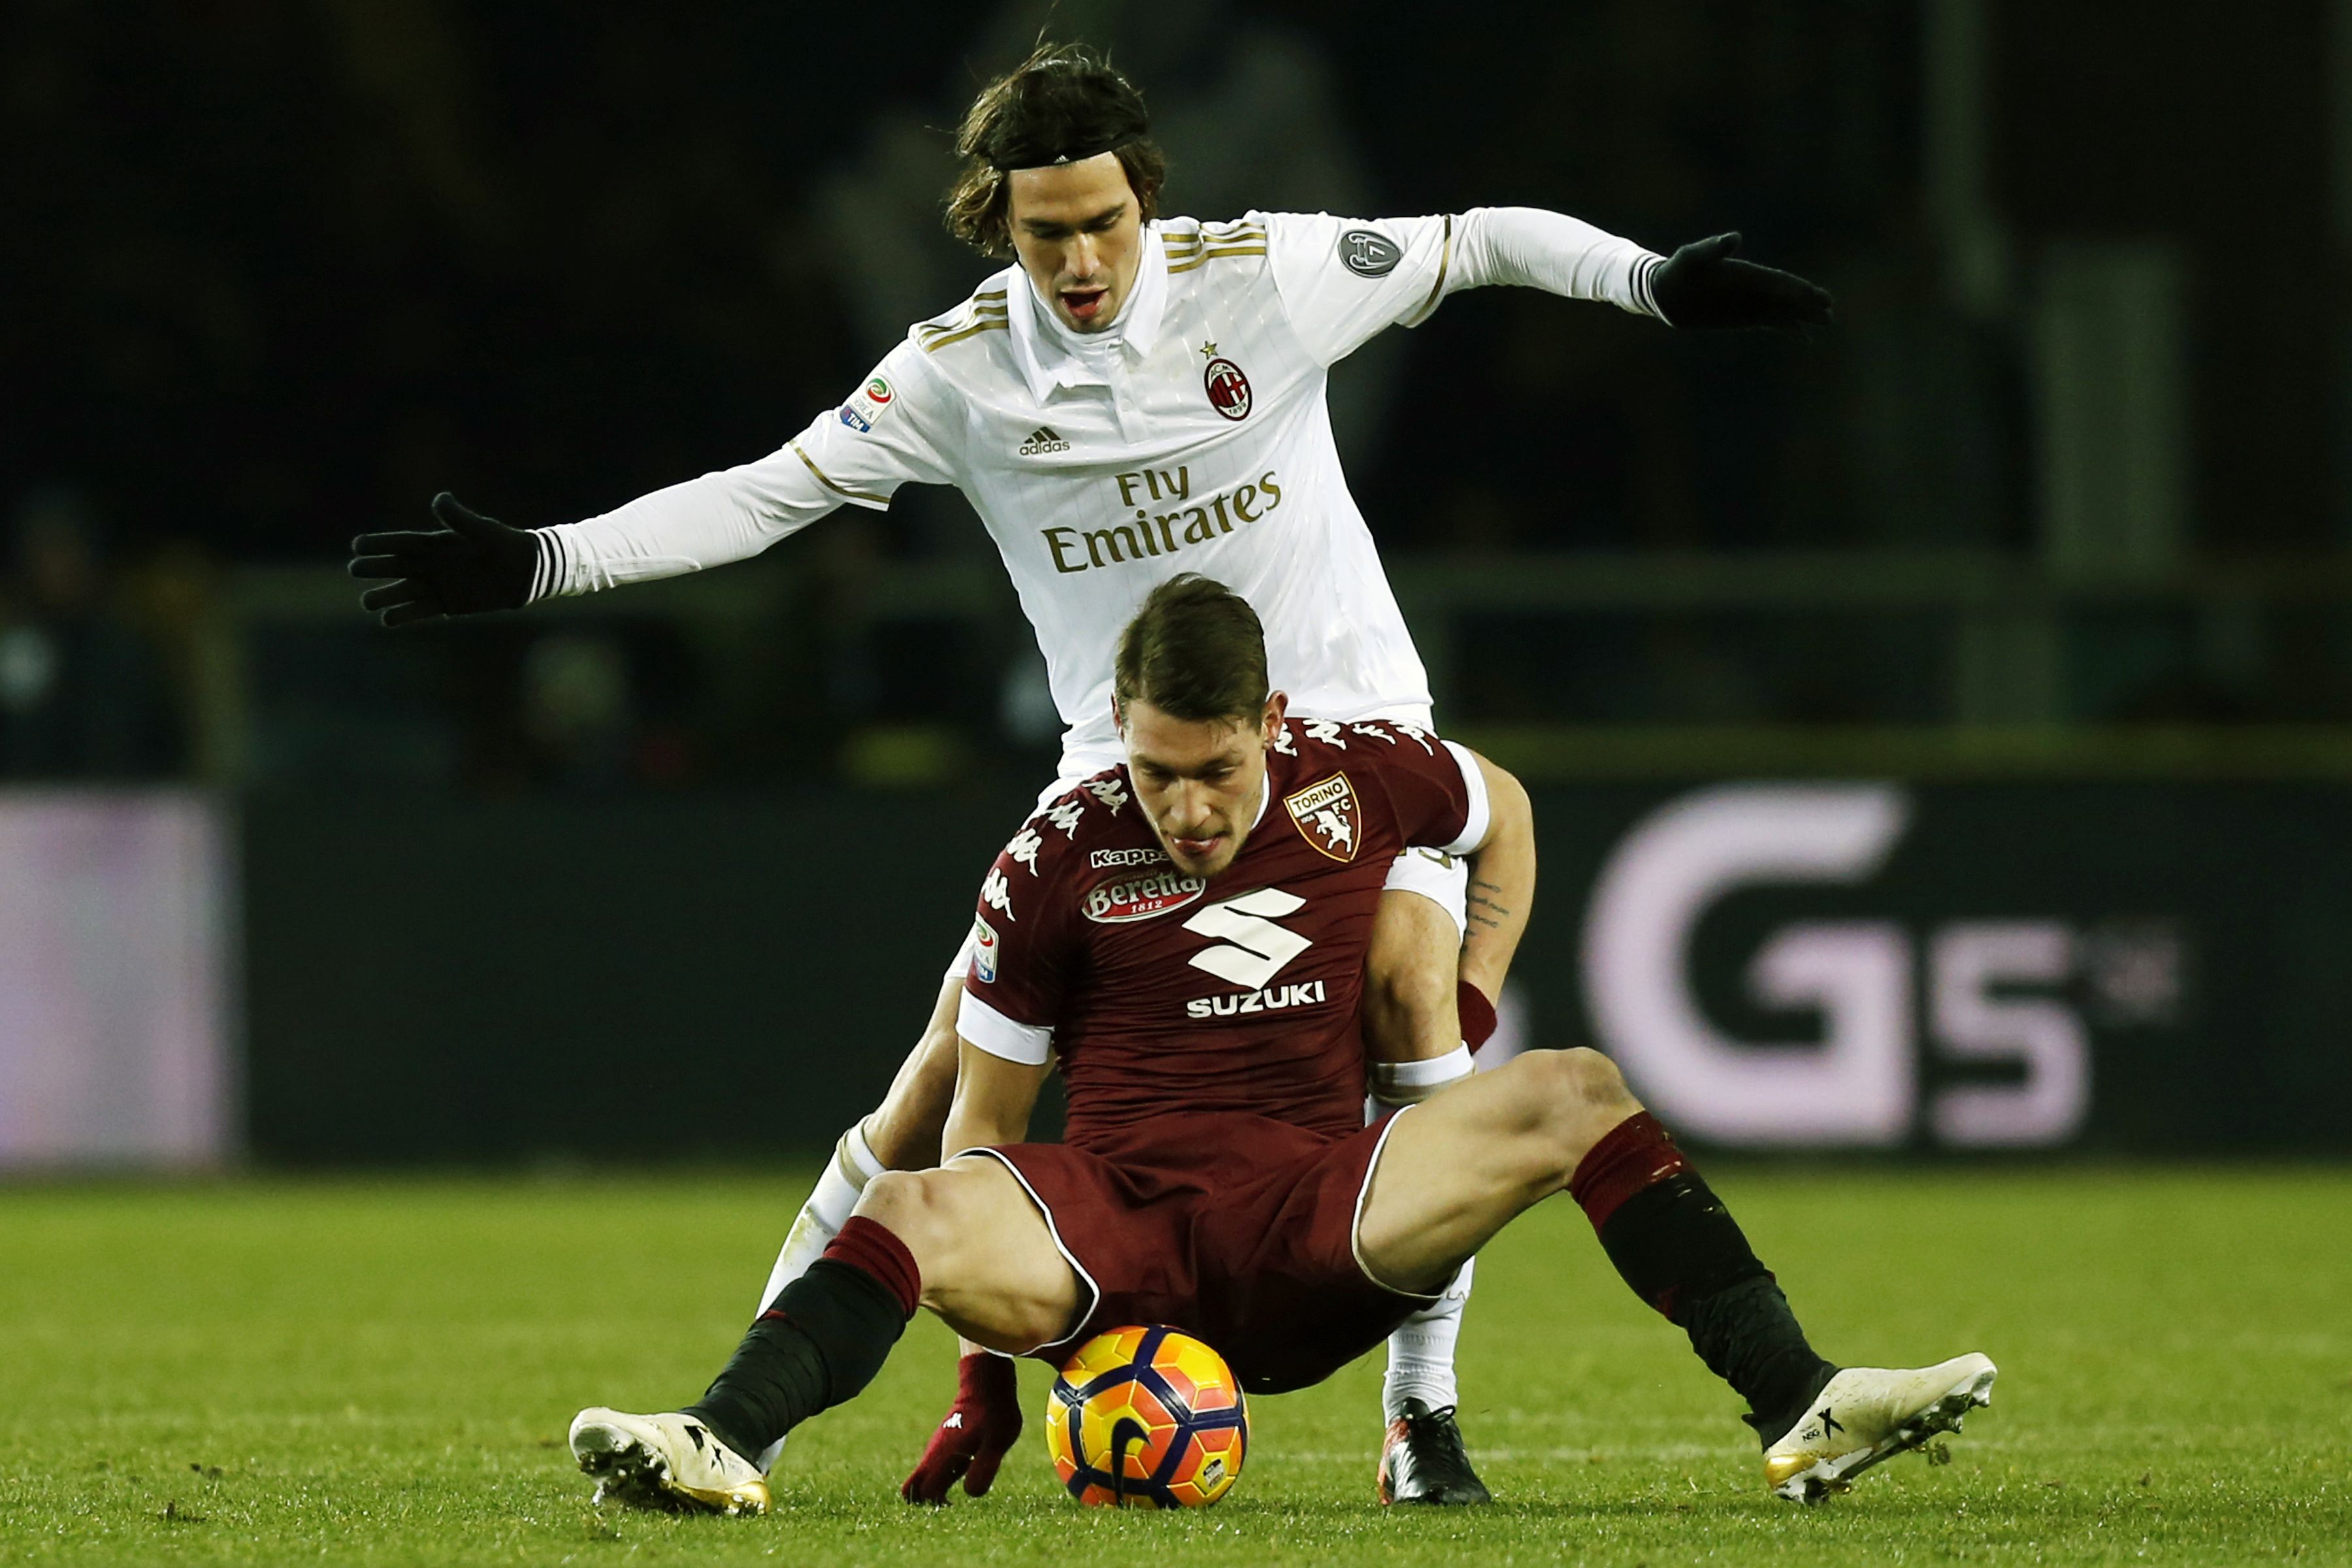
1329,816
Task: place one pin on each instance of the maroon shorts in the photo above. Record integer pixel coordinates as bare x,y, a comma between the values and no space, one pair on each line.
1237,1229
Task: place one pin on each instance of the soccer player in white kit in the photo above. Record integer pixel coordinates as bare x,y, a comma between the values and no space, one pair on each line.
1135,397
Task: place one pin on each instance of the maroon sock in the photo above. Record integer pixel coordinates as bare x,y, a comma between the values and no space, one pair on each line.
865,1244
1637,1152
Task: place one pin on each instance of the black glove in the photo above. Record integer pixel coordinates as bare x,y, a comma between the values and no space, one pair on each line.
471,565
1701,286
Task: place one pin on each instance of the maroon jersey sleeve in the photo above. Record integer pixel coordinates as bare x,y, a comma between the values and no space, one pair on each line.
1436,795
1020,949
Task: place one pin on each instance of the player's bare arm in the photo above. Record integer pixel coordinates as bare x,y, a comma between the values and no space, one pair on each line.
1502,885
1415,1008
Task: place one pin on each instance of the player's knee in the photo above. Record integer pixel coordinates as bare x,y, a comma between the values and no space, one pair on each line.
1569,1097
914,1207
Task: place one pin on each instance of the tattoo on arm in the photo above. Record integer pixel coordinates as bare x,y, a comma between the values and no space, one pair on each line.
1483,909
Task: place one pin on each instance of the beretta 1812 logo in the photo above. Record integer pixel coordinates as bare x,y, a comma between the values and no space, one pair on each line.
1127,898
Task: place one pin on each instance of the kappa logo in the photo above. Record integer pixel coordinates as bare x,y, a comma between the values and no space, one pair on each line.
1023,850
1042,440
1369,255
1105,860
997,893
1329,816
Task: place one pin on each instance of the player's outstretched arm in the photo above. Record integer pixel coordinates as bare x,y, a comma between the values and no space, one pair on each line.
1705,286
469,565
898,429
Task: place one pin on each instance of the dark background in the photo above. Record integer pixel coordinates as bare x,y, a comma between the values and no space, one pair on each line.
283,269
2059,506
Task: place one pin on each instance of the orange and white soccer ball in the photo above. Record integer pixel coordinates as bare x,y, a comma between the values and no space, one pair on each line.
1147,1417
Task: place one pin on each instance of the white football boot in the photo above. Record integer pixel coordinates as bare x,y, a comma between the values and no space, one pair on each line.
1866,1413
669,1461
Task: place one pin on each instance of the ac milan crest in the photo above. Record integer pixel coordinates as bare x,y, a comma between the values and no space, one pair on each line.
1329,816
1229,389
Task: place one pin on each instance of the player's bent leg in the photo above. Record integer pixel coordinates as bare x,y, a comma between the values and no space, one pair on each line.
1670,1239
965,1240
1411,975
989,1266
1456,1170
904,1133
1423,1459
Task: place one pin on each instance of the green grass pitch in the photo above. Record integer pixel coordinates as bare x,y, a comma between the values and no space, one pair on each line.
382,1372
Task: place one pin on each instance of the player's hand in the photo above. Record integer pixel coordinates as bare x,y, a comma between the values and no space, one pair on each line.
1701,286
469,565
971,1442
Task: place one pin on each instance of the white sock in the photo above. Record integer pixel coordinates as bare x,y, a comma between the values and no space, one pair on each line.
1420,1352
820,1220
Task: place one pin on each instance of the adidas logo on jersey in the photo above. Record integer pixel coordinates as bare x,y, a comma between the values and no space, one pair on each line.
1041,441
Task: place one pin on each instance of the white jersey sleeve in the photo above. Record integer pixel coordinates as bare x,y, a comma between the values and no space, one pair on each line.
1344,279
903,426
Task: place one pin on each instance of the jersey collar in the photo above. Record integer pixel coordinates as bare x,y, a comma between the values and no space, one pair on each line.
1052,356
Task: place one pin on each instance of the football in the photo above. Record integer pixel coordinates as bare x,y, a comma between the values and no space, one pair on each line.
1147,1417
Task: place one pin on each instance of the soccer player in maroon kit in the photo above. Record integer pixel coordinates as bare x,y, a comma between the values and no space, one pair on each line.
1186,935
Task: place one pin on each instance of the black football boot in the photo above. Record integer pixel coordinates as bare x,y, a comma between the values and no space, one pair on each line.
1424,1460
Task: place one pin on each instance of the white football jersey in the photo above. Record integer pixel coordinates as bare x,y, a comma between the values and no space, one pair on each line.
1191,435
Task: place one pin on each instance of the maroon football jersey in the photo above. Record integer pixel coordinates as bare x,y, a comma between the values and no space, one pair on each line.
1158,991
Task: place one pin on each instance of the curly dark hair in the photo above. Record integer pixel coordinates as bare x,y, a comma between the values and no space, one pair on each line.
1063,102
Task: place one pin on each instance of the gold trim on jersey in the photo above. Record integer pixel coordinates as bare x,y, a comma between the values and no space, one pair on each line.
986,307
1187,250
828,482
1213,252
981,324
958,322
1437,289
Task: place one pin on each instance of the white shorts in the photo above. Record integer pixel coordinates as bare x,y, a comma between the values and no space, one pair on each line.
1442,879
